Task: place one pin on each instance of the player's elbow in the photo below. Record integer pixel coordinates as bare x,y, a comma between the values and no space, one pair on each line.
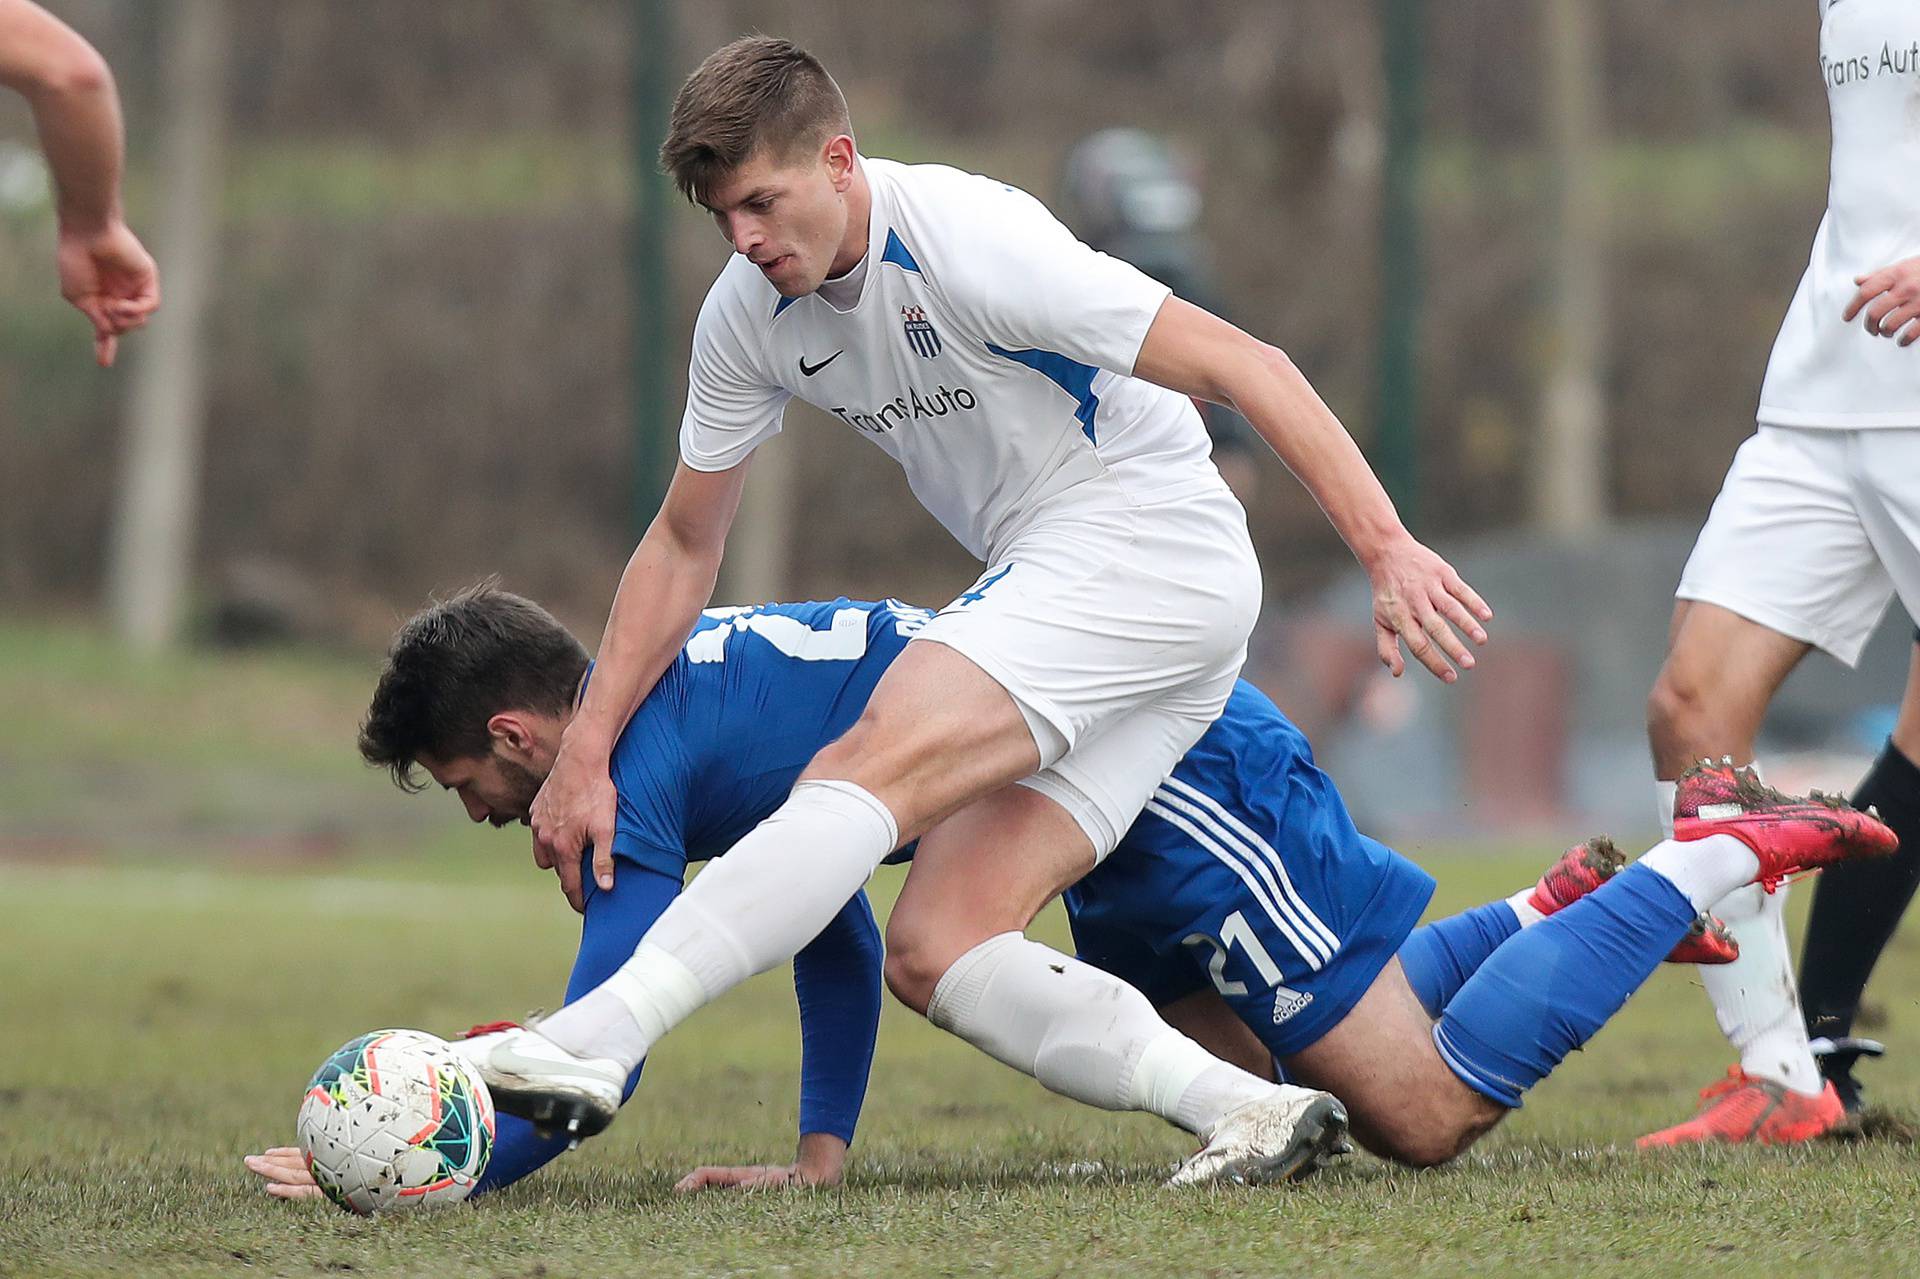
1246,369
77,71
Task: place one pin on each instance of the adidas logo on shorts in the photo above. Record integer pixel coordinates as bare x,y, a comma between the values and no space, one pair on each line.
1287,1002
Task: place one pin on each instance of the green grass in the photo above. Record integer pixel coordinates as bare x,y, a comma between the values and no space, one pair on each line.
161,1022
162,1013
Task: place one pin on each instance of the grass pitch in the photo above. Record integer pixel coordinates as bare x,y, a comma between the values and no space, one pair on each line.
162,1021
160,1014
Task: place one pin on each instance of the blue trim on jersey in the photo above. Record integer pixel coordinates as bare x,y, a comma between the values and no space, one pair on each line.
1071,376
896,253
782,305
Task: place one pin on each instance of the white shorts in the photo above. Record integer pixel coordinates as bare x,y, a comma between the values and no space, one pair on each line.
1119,636
1813,532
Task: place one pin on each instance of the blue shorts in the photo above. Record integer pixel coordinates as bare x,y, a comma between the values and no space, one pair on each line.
1245,873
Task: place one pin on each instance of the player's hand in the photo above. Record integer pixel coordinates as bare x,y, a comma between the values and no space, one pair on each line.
820,1161
1418,600
574,810
1891,299
284,1170
110,278
755,1177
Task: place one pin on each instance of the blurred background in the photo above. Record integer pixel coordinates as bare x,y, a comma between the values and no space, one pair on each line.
428,309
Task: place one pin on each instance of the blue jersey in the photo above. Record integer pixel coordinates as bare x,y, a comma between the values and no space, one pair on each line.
713,750
752,697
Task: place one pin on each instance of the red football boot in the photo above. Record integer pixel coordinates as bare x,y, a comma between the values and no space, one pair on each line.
1745,1108
1787,833
1585,867
1580,870
1708,942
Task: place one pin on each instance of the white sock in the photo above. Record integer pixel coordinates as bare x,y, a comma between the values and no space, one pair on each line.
1084,1034
1663,797
1524,910
754,908
1754,998
1704,870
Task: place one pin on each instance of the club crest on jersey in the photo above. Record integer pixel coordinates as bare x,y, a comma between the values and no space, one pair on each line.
920,332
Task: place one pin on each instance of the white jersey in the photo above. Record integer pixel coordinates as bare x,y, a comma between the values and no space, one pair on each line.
1825,373
988,352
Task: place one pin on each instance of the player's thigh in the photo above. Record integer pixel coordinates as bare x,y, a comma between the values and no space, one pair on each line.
1403,1101
986,869
1785,545
937,733
1887,473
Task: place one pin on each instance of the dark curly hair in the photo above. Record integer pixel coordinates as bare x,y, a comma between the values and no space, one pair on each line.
458,663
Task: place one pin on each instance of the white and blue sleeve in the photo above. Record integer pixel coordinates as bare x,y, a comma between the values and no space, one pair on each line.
1021,281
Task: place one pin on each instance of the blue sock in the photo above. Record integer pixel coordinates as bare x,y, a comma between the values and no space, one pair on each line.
1440,957
1546,992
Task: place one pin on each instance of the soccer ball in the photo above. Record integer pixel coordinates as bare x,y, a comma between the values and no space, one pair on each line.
396,1119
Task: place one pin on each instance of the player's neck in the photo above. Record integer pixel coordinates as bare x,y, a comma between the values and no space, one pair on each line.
853,245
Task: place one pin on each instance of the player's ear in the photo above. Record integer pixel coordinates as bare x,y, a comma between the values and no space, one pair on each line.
511,733
837,155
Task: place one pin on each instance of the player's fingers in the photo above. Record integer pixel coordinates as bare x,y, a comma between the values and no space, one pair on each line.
294,1192
279,1172
710,1178
105,347
1878,311
1872,285
1426,652
1893,321
1387,645
1456,612
568,868
603,859
1458,588
1436,628
1912,332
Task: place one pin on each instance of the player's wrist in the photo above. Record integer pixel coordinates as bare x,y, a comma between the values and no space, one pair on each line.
1377,541
821,1158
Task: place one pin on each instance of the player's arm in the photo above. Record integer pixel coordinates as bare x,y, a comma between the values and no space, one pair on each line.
104,270
838,980
667,582
1418,598
1891,299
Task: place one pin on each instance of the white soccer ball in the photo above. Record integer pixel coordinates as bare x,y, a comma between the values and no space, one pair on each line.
396,1119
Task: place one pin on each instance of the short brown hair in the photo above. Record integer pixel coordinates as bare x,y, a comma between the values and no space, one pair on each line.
757,93
458,663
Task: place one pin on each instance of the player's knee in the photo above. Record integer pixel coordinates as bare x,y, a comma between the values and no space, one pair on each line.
1677,704
914,965
1437,1128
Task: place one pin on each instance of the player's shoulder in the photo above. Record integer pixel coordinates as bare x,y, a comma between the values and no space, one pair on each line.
944,215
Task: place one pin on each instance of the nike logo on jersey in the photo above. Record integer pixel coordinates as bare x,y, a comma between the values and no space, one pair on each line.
808,370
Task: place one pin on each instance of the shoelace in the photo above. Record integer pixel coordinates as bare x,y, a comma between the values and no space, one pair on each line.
489,1028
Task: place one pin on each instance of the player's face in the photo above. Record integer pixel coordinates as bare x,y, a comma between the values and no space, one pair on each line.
492,788
789,215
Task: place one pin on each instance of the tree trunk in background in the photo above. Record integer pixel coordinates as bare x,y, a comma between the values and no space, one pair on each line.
759,563
1570,460
153,545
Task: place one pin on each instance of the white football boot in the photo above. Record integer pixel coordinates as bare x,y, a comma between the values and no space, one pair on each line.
531,1076
1283,1136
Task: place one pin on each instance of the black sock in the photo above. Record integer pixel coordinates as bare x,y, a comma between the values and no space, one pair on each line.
1857,905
